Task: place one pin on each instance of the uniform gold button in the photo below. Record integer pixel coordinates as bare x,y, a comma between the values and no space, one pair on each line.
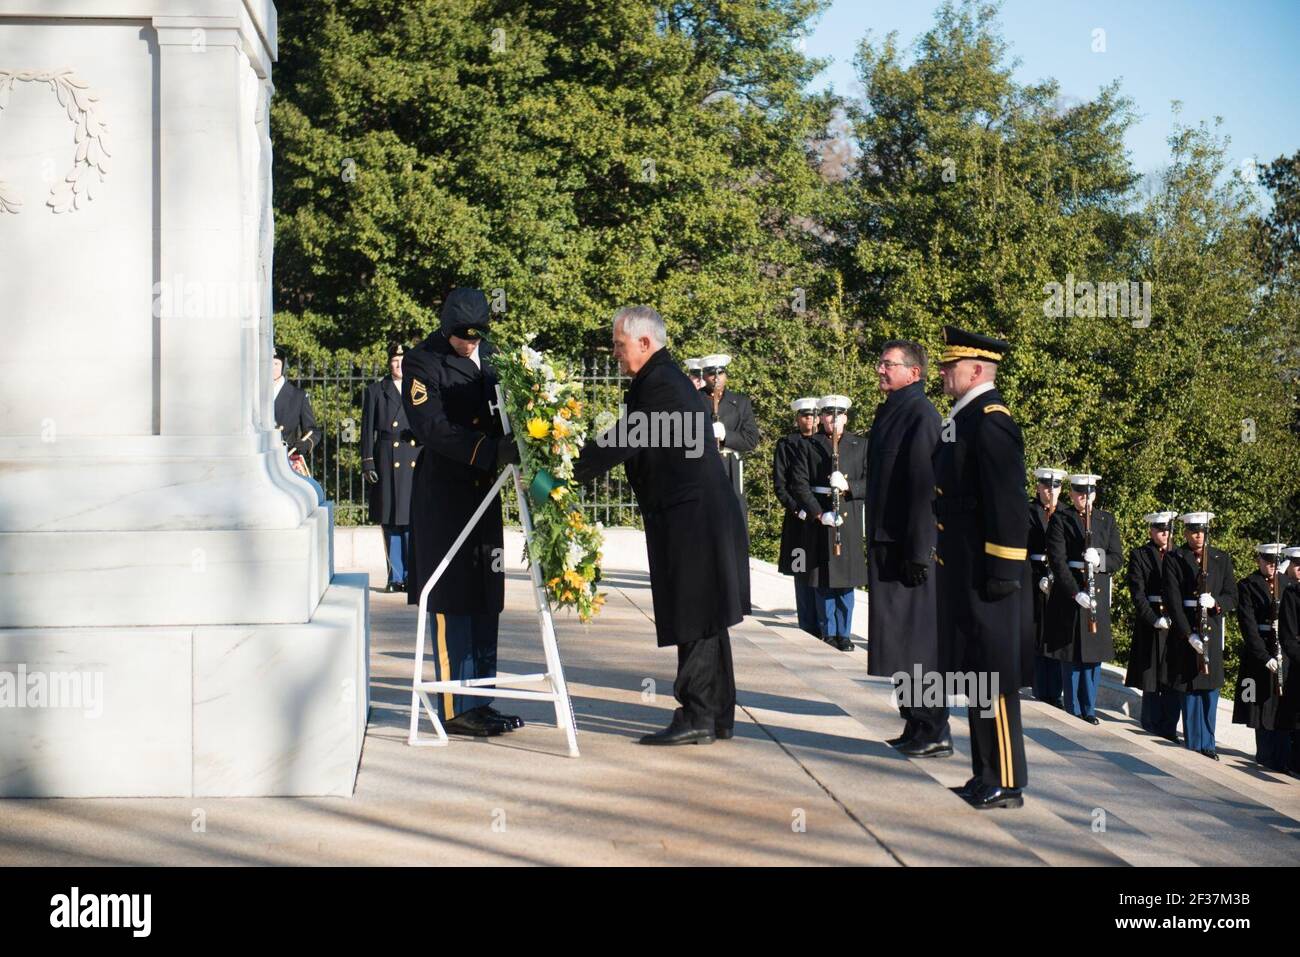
394,423
475,421
939,526
412,441
397,465
938,559
396,444
937,490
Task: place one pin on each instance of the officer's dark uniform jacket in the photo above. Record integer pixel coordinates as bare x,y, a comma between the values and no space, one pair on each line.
1039,568
1067,634
391,450
811,490
1145,578
1182,663
983,526
796,534
736,413
447,405
1261,706
294,416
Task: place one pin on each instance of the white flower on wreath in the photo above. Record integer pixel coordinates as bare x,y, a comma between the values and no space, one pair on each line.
533,360
574,556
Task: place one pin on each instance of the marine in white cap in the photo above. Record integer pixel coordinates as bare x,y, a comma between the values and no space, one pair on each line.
694,372
1261,679
1047,683
1161,707
797,528
734,425
837,564
1196,601
1084,551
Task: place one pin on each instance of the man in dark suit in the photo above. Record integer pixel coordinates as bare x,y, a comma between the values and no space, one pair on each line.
902,627
1078,623
389,455
452,383
837,565
979,475
293,415
1190,648
695,531
797,527
1145,577
734,427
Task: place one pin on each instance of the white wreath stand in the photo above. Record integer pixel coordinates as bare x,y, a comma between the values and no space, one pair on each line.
558,692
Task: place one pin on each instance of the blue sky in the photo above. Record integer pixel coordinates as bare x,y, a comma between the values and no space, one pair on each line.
1238,60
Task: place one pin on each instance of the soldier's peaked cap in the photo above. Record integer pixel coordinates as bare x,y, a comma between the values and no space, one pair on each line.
835,403
806,404
465,314
1049,474
960,344
1159,518
1271,550
1196,519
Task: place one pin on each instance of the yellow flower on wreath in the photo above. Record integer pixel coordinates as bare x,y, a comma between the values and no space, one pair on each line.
538,428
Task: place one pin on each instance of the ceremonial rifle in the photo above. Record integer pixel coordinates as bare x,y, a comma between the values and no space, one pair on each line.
1203,613
1275,596
835,492
1092,575
715,394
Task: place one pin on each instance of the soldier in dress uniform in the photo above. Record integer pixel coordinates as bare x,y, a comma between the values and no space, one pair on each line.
834,572
797,528
452,387
293,415
390,453
1289,627
734,425
1258,703
1160,706
1186,645
1078,623
1291,577
900,546
693,367
1047,491
983,572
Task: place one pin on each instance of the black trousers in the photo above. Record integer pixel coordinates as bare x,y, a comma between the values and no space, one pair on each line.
924,725
997,743
706,684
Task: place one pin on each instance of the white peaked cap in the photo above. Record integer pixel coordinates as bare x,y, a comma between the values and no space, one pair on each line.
1196,518
835,402
1273,549
805,404
1159,518
695,365
1292,552
1083,478
1049,474
715,361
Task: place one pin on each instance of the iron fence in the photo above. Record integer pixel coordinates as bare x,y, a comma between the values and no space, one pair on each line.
336,391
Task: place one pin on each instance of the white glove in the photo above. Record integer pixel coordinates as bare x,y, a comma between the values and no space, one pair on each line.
802,515
1084,602
1044,584
839,481
1197,645
1207,600
1162,624
831,519
1286,563
719,431
1092,557
1272,665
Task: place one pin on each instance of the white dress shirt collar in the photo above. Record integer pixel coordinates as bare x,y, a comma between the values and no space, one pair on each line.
970,397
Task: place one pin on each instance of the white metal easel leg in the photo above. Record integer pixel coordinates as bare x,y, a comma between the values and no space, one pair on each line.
501,685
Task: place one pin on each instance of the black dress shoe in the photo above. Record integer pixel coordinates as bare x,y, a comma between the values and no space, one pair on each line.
474,724
513,721
1091,719
932,749
389,589
399,586
983,797
903,739
1171,738
842,642
1210,753
724,734
679,732
966,789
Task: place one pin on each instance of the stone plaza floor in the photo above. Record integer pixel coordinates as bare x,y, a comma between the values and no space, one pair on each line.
807,780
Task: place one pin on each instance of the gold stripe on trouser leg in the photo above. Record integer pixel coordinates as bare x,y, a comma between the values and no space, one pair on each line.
1011,753
999,728
444,669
